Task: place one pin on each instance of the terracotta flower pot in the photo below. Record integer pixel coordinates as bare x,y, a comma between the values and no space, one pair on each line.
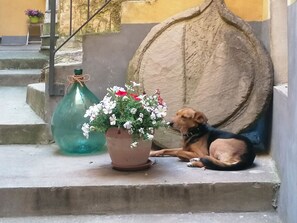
124,157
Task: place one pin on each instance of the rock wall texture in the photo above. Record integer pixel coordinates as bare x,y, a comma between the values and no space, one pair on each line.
208,59
107,21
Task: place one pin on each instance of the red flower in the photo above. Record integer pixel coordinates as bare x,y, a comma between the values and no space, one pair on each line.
135,97
160,100
121,93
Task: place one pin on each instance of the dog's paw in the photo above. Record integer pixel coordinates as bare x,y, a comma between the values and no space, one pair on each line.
190,164
156,153
194,160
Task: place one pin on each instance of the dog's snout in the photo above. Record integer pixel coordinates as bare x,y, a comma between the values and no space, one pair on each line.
171,124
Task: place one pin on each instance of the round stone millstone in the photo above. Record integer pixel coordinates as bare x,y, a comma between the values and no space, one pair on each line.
208,59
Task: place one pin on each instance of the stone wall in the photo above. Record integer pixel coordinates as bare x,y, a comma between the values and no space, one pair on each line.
107,21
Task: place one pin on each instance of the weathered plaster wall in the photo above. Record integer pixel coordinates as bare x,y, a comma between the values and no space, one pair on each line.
13,21
284,141
106,56
155,11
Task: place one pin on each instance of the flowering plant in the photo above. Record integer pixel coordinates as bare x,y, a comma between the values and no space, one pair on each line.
140,115
34,12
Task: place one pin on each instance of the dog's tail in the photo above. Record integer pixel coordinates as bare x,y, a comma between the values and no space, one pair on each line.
215,164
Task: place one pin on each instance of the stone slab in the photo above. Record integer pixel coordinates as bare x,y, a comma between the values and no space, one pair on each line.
22,60
15,77
36,98
253,217
18,122
37,180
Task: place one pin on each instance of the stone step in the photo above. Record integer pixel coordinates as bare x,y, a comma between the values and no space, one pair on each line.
251,217
22,60
18,123
46,40
16,77
44,47
36,180
36,98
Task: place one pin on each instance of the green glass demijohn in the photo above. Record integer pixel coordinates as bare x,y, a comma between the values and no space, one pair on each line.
68,119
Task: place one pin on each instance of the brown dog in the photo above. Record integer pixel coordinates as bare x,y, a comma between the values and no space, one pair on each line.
205,146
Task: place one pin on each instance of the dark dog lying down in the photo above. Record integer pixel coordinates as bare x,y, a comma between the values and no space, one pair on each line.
205,146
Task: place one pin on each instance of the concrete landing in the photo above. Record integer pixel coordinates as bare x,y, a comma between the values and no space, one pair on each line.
37,180
261,217
14,109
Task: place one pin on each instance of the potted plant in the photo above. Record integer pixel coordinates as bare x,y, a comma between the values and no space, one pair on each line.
34,15
128,121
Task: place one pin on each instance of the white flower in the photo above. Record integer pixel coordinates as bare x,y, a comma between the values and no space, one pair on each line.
151,113
108,107
149,136
112,119
107,110
88,112
153,116
142,98
128,125
133,111
134,144
98,107
116,89
129,87
93,111
86,129
134,84
141,130
106,99
161,111
151,130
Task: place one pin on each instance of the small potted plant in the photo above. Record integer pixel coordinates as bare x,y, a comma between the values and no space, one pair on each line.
34,15
128,121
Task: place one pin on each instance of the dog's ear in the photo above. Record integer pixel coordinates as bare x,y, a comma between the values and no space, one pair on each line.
200,118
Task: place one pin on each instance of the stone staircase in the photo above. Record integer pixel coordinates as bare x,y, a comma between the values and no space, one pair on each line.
18,123
38,184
